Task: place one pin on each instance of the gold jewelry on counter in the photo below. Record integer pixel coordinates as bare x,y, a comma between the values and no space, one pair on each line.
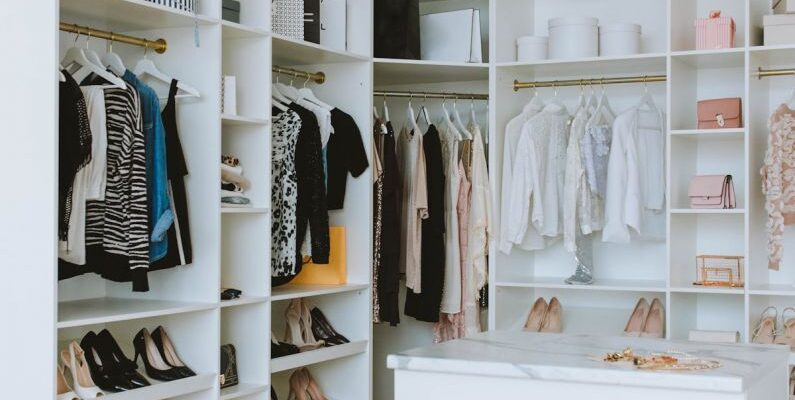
670,361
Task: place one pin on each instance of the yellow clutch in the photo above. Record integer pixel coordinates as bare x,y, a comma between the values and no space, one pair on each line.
333,273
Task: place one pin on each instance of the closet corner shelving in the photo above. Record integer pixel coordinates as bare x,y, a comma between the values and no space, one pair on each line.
232,246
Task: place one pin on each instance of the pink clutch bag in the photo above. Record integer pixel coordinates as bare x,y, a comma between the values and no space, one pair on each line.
720,113
712,191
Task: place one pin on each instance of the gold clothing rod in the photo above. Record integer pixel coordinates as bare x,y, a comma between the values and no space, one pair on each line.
589,81
317,77
764,73
431,95
158,45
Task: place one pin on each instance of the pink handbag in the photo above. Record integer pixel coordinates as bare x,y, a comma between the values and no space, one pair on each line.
712,191
720,113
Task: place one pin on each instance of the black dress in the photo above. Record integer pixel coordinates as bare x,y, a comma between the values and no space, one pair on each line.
345,154
180,251
389,270
426,305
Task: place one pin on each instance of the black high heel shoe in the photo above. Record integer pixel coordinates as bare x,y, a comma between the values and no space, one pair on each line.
128,368
169,353
155,367
104,371
323,329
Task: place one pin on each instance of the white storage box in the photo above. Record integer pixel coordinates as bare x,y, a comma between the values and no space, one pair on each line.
573,37
779,29
333,28
532,48
783,6
619,39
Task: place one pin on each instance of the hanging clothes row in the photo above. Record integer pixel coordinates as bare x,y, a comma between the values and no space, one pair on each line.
122,201
570,175
314,148
431,222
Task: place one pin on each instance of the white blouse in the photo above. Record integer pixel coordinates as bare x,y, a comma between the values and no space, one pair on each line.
532,239
479,213
451,295
635,194
539,175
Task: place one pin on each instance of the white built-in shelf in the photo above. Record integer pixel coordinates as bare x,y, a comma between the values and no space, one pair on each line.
244,300
166,390
596,320
287,52
623,285
292,291
768,289
389,71
234,30
317,356
244,210
233,120
706,289
130,15
649,63
720,58
708,211
112,309
737,133
242,389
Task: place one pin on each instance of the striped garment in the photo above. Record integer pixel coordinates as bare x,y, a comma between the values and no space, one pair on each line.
120,223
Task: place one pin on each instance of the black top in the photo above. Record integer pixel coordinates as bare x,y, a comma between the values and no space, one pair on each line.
181,252
345,154
389,272
74,145
312,206
427,305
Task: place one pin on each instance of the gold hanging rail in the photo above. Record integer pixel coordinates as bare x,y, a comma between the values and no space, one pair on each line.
764,73
589,81
317,77
431,95
158,45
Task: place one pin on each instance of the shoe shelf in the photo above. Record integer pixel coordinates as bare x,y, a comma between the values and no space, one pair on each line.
245,210
293,291
318,356
388,71
234,30
108,309
242,390
166,390
622,285
244,300
237,120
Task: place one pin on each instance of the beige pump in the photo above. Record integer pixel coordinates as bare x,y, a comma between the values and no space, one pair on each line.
553,320
654,327
637,319
536,316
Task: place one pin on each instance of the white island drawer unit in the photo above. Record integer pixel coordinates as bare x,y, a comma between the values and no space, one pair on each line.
519,365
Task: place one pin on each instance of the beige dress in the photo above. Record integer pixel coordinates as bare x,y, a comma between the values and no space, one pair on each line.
778,181
414,205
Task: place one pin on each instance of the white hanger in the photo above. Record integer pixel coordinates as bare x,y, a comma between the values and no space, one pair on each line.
460,122
449,122
75,56
278,100
386,111
145,66
646,99
581,101
113,61
424,111
412,119
91,54
307,94
289,92
554,104
375,113
62,77
603,112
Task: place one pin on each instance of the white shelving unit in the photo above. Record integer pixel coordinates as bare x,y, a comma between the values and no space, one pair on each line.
232,246
664,269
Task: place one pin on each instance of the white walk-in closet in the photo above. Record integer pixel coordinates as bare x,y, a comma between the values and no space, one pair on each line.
232,246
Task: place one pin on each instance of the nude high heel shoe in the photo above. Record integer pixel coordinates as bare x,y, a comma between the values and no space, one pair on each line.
553,322
296,331
313,388
62,389
299,383
654,326
765,330
637,318
786,335
536,316
75,359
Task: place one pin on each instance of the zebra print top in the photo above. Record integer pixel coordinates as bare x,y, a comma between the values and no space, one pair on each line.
120,223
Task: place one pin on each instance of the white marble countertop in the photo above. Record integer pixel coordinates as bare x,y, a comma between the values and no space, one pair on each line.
563,357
